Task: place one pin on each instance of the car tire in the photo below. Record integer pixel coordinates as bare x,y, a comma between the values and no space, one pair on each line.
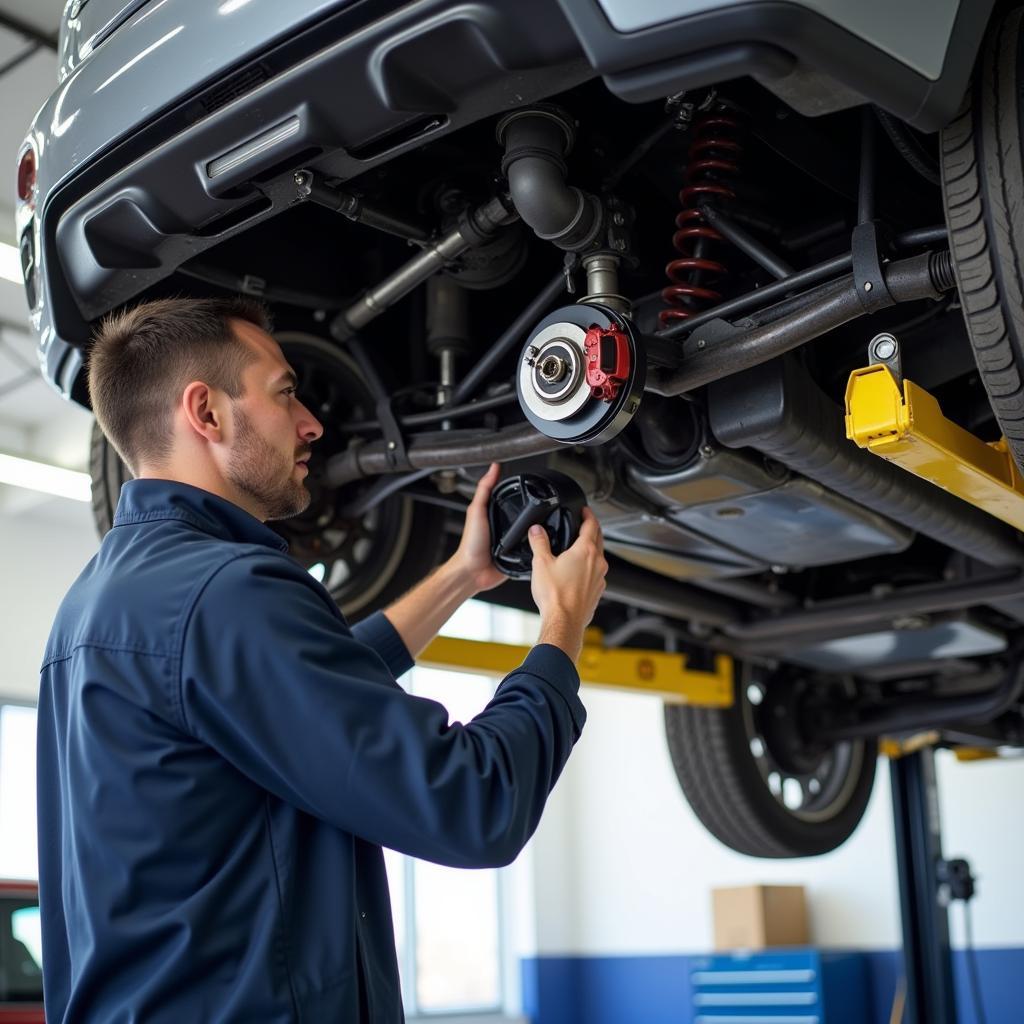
108,472
983,193
725,772
400,540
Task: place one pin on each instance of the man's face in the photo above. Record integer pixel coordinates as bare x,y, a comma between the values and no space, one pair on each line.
272,431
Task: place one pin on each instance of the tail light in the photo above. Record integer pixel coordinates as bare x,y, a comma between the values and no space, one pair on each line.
27,176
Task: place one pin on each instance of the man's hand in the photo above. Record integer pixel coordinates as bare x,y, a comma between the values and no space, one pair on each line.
419,614
472,559
567,588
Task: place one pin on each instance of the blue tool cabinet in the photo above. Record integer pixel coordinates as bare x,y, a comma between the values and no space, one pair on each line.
797,986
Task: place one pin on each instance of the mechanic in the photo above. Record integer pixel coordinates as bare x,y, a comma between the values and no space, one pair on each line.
220,756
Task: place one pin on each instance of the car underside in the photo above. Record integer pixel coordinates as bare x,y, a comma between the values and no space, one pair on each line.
665,301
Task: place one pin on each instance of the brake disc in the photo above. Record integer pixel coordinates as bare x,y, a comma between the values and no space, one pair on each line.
581,375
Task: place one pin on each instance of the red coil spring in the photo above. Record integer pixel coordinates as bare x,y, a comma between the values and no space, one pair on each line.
712,163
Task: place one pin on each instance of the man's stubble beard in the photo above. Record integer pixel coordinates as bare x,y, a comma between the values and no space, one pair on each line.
255,468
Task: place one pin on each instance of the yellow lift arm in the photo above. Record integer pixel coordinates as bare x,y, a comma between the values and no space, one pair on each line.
621,668
906,426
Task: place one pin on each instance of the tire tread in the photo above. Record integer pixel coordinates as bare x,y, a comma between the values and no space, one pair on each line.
983,194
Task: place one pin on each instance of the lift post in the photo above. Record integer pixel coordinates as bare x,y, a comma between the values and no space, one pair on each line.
927,959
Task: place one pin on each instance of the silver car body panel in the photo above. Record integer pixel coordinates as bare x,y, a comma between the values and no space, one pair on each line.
145,59
915,32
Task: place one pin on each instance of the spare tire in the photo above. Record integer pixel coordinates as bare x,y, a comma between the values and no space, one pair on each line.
755,784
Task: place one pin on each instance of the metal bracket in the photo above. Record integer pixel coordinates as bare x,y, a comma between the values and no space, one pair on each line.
905,426
867,269
397,456
636,670
884,349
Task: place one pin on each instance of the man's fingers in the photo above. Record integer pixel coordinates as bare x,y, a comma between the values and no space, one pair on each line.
591,529
539,543
486,483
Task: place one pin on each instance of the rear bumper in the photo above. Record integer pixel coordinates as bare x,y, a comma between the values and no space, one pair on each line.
203,124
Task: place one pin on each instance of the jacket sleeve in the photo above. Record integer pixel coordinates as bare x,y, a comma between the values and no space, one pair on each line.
377,632
274,680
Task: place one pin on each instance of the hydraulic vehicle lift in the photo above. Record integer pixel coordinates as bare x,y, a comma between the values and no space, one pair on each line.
900,422
927,881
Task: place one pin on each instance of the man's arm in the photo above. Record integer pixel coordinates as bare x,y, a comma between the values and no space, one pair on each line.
420,614
272,679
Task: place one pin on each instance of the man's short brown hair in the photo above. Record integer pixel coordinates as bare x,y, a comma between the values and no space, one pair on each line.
142,359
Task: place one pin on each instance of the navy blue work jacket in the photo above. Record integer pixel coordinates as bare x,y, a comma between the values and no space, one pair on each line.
221,759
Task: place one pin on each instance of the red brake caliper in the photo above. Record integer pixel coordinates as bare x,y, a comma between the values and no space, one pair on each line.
608,362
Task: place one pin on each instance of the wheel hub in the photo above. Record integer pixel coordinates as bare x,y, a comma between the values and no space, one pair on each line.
813,781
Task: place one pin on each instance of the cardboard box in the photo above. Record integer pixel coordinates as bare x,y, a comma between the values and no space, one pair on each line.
760,916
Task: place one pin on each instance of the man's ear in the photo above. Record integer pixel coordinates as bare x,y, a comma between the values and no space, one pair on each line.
202,408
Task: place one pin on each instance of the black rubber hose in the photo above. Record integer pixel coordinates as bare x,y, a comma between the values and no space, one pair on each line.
781,412
440,451
821,311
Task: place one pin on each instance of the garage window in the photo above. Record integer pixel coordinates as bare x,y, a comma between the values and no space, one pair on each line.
448,922
18,857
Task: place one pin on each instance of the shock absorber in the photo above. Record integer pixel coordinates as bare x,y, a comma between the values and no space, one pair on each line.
712,167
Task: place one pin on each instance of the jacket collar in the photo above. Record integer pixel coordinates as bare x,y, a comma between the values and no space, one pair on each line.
147,500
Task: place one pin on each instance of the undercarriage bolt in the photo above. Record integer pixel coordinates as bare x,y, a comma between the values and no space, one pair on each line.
883,347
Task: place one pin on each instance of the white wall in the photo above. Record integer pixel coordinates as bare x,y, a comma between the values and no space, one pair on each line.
623,866
42,551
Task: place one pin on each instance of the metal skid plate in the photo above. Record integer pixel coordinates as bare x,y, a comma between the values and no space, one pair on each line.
952,639
551,382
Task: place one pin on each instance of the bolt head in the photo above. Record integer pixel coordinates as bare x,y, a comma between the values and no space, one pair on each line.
867,286
701,343
885,348
391,446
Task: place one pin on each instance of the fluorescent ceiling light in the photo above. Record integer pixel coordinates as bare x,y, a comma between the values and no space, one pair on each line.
38,476
10,263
